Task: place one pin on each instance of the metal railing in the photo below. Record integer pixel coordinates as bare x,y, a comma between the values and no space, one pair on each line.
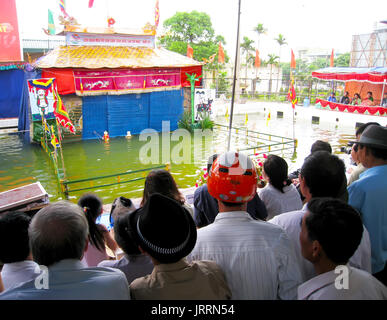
65,183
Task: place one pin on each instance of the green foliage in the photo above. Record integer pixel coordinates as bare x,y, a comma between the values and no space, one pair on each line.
206,122
194,28
342,60
185,121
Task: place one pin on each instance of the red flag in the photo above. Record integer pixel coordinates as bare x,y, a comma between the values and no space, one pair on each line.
220,53
293,61
91,2
332,59
292,95
257,62
157,14
189,51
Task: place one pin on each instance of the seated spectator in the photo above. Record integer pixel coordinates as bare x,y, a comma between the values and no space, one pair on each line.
322,175
161,181
355,174
15,250
345,98
256,256
206,206
356,101
279,195
330,234
99,236
133,264
332,97
384,101
58,239
369,96
166,232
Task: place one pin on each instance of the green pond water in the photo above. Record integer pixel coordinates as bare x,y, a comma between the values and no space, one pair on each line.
22,163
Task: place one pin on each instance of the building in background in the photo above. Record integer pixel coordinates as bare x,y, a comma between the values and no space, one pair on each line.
370,50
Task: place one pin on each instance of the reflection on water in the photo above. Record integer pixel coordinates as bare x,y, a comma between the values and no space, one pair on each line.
22,163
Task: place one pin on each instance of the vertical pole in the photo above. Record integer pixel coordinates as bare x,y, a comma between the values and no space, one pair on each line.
235,77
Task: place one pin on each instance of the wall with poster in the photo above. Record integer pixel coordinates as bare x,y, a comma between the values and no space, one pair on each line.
9,32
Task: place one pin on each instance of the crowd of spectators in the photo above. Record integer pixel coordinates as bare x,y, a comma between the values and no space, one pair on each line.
285,241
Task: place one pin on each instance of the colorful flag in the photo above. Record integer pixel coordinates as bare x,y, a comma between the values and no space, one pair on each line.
332,59
54,140
292,94
189,51
292,61
157,14
62,6
268,119
257,62
220,53
210,59
91,2
61,113
51,25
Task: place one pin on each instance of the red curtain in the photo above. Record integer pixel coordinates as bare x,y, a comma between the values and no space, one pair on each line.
64,79
191,70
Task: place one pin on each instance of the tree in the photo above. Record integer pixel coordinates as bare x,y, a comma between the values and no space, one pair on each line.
260,29
343,60
246,46
281,41
272,61
194,28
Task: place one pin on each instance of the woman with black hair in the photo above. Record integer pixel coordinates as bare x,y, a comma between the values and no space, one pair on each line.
99,236
279,195
161,181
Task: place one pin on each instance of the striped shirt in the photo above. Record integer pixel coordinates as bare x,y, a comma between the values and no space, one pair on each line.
256,257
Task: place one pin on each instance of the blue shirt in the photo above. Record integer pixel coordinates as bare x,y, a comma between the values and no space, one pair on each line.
69,280
332,99
369,196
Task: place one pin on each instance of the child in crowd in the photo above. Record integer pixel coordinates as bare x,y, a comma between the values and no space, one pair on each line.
133,264
99,236
279,195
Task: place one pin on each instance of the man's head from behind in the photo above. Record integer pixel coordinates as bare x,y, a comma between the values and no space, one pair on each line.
57,232
320,145
322,175
331,229
14,237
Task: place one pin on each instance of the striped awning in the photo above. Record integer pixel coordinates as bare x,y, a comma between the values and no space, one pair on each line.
96,57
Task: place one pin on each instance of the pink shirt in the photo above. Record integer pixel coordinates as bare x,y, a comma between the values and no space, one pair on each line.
92,255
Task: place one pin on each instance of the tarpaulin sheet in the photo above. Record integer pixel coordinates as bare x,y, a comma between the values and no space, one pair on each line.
374,75
378,111
64,79
11,84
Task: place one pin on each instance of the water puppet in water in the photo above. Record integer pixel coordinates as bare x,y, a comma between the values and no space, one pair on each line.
106,136
128,135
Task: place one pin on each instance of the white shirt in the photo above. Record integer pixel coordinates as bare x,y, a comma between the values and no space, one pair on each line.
291,223
256,257
16,273
277,202
361,286
70,280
